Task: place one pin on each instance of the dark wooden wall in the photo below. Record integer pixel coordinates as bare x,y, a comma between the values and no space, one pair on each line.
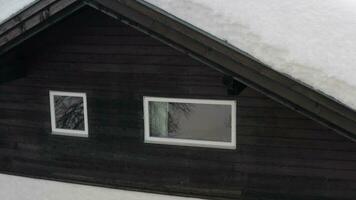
281,154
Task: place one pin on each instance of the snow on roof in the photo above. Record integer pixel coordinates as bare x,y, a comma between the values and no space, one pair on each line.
10,8
34,189
313,41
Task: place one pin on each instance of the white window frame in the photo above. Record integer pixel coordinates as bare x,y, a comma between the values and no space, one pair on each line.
189,142
68,132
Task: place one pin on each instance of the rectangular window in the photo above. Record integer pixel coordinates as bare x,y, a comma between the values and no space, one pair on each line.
190,122
69,113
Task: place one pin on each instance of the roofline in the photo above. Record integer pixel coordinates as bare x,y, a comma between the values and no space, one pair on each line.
34,19
18,12
197,44
227,44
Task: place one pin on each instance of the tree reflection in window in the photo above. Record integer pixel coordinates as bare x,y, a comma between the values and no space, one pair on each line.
176,109
69,112
190,121
164,117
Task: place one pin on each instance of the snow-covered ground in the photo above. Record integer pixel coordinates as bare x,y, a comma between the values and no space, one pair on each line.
20,188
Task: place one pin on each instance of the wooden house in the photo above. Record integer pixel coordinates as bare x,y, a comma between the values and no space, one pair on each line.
117,93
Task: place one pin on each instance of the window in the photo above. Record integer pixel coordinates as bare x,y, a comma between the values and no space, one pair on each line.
69,113
190,122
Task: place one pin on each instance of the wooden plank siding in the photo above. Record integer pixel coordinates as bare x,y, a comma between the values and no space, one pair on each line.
281,154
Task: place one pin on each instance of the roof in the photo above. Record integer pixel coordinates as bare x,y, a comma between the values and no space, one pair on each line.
311,41
285,50
11,8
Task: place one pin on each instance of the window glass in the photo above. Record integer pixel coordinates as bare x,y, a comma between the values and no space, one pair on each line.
188,120
69,113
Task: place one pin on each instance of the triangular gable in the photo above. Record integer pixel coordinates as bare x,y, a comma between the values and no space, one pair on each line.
194,42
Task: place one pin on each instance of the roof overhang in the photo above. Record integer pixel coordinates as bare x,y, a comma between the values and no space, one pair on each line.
197,44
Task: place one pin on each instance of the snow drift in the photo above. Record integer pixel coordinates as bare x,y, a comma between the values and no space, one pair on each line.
15,188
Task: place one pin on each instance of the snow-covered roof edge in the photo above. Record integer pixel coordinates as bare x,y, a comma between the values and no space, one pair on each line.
237,49
17,7
313,42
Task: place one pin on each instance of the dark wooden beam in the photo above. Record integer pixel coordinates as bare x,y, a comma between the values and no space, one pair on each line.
25,14
233,86
26,24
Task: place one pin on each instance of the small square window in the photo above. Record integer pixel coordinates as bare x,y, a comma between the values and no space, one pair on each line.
190,122
69,114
